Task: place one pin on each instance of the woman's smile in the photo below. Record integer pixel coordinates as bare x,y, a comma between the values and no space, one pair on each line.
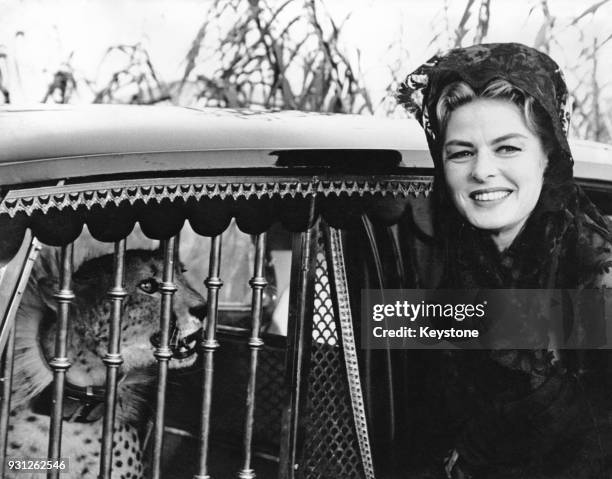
491,195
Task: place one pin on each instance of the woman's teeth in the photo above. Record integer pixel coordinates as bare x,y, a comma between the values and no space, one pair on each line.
490,196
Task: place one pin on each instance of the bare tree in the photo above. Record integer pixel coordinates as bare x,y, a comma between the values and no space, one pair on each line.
135,81
284,56
591,118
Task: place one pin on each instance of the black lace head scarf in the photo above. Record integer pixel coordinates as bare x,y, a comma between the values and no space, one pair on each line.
556,248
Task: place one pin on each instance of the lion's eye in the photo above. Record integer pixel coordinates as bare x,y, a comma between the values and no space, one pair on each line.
149,286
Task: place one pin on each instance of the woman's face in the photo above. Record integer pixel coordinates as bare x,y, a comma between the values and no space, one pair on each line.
494,167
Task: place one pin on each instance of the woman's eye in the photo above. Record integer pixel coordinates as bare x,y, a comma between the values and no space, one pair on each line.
508,149
458,155
149,286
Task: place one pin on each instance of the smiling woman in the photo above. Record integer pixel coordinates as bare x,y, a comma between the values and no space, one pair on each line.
493,163
509,215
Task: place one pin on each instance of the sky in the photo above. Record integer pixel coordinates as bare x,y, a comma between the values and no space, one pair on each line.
39,35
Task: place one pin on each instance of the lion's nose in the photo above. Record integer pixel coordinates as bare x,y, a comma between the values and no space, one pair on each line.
198,311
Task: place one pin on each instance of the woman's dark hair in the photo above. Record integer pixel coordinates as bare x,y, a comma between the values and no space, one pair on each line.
459,93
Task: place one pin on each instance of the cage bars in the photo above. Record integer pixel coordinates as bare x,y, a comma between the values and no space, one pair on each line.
60,362
258,283
113,359
163,353
209,345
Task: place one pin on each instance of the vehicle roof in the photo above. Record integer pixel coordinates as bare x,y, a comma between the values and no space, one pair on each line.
44,142
47,142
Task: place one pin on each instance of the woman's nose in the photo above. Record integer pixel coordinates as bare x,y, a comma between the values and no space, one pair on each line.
483,166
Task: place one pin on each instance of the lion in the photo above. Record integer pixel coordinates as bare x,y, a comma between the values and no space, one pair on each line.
90,314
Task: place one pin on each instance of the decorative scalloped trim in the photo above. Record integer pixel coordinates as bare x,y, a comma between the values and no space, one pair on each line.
154,191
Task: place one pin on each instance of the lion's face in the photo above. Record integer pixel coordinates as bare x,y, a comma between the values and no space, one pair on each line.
90,317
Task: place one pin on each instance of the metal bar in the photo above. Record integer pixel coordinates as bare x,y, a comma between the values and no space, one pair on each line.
113,359
367,357
299,339
29,257
371,236
5,407
163,353
397,255
9,319
228,445
258,283
60,363
209,346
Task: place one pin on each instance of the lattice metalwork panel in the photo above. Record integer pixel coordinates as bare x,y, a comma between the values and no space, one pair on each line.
331,449
270,398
